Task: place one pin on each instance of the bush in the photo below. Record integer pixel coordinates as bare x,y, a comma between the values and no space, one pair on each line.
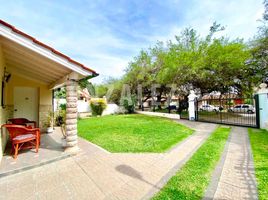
97,106
60,117
63,106
128,104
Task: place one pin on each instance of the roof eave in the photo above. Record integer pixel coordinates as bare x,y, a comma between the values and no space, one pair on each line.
10,32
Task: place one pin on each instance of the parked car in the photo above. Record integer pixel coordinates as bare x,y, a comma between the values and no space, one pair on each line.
209,108
243,108
173,106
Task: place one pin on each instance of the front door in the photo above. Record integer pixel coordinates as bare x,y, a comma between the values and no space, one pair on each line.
26,103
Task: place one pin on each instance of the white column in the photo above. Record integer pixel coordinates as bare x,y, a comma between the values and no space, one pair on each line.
263,105
191,108
71,114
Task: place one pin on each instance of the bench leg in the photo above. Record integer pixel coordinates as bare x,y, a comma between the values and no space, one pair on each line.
16,151
36,145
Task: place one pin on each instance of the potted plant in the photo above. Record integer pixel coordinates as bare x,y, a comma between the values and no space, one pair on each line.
49,122
60,122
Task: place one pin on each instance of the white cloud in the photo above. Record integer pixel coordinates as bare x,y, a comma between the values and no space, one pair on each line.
101,34
239,17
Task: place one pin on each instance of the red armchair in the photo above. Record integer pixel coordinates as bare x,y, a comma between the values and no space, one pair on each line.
22,121
23,138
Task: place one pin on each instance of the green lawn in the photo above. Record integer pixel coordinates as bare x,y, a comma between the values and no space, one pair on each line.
192,180
259,144
132,133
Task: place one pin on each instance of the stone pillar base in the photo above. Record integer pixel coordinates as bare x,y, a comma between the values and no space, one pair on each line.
72,150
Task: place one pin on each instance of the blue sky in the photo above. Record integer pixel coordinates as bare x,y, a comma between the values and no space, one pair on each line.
106,35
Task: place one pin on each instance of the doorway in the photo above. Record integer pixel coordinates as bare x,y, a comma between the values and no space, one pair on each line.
26,103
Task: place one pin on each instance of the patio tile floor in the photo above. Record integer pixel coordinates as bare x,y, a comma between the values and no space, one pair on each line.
50,150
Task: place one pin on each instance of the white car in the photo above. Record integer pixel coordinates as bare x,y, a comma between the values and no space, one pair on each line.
209,108
243,108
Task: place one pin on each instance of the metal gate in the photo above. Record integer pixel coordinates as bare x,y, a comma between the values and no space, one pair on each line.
235,111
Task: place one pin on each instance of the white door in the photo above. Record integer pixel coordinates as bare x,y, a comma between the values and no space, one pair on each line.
26,103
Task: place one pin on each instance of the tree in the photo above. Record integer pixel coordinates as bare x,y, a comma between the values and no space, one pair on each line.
223,68
259,49
85,84
205,64
60,93
101,90
191,62
110,88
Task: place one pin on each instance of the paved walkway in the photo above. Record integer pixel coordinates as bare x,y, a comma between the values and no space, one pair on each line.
234,177
97,174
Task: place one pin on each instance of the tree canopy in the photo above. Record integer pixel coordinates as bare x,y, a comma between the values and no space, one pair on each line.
205,64
191,62
259,50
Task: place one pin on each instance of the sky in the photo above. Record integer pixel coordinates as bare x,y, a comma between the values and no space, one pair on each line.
105,35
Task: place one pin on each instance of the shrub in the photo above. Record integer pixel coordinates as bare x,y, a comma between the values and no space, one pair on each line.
128,104
63,106
97,106
60,117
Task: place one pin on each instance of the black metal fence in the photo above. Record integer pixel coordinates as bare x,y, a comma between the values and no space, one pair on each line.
232,111
235,111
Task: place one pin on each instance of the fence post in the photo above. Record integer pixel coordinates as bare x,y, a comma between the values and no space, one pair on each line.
263,106
196,108
192,107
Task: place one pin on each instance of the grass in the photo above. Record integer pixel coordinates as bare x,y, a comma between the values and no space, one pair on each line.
259,145
132,133
192,180
219,115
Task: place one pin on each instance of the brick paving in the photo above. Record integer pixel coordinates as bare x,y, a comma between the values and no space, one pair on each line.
97,174
235,176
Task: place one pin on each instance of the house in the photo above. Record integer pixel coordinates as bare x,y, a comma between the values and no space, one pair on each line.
226,99
30,70
148,102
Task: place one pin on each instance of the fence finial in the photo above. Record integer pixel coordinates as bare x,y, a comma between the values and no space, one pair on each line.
263,88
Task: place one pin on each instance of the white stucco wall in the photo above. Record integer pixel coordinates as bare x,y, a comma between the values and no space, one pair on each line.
111,109
157,114
82,106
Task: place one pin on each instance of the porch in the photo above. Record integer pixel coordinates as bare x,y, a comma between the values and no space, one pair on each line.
50,150
30,71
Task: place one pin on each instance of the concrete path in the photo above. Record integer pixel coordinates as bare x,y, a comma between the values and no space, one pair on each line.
234,177
97,174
